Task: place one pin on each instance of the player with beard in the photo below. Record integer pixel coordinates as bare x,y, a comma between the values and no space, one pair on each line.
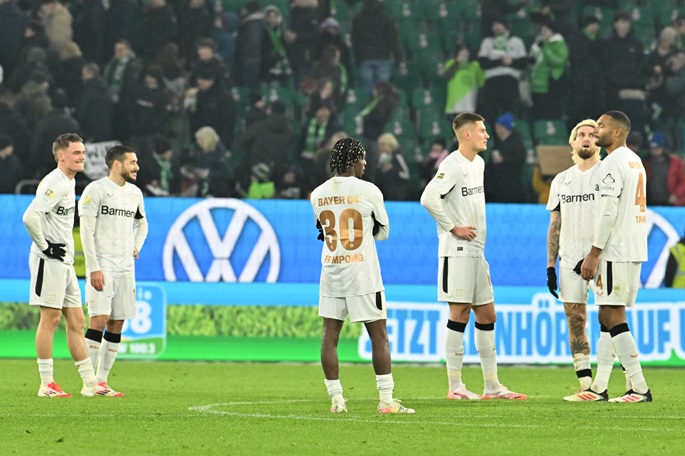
619,246
113,230
574,197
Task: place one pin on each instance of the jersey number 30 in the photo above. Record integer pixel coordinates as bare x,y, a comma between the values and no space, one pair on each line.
349,231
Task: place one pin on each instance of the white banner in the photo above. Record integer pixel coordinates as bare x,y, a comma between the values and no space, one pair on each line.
96,167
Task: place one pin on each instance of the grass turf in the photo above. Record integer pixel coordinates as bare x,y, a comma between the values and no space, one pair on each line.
174,408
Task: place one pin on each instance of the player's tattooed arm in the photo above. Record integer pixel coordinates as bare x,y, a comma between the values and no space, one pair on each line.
553,238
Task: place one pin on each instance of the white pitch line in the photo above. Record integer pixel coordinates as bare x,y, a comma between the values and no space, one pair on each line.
210,409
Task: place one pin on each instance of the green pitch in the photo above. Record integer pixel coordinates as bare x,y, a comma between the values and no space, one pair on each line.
175,408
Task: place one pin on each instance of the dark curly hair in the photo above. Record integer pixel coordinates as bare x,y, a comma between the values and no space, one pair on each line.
346,152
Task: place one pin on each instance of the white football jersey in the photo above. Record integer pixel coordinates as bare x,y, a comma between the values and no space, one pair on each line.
114,208
346,208
576,194
456,197
623,177
56,198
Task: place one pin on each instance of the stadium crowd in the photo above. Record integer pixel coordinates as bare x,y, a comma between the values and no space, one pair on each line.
244,98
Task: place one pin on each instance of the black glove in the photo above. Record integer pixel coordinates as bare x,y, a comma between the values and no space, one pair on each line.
552,281
55,251
577,268
376,226
320,237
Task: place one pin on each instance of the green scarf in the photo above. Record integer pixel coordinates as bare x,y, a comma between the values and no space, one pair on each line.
369,107
344,81
315,135
165,172
500,42
282,65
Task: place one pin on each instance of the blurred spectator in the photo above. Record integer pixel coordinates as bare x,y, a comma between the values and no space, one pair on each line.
268,140
276,69
195,22
329,34
248,46
316,132
495,10
374,43
626,72
675,86
13,125
208,61
13,23
121,19
503,172
159,173
317,170
585,70
89,27
323,96
223,33
121,75
665,174
664,111
289,184
34,36
171,64
70,76
636,143
213,106
392,174
55,122
503,57
329,68
33,102
57,21
261,184
428,164
674,277
94,106
159,27
35,62
210,173
375,116
147,110
464,78
549,54
301,37
11,170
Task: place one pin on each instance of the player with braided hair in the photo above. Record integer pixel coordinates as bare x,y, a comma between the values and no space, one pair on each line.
350,214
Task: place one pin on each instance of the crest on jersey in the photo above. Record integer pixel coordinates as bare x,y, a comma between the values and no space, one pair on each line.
608,180
440,176
86,199
49,193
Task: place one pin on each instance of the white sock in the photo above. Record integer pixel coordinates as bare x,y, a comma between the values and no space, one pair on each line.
581,362
626,350
454,357
334,388
108,354
485,344
629,384
385,386
85,370
605,362
93,351
45,370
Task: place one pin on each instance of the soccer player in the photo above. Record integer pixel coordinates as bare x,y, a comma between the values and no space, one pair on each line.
350,214
619,246
574,197
113,230
455,198
49,220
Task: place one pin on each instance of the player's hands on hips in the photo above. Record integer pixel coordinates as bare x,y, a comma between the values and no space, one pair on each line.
552,281
135,253
589,266
55,251
464,232
97,280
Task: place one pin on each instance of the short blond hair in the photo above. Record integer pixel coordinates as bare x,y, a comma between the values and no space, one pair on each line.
390,140
585,123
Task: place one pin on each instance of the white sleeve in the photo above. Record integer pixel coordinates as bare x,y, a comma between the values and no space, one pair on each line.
381,216
141,227
607,218
87,224
431,198
32,218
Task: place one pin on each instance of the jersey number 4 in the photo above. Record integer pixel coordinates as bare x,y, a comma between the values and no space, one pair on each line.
349,230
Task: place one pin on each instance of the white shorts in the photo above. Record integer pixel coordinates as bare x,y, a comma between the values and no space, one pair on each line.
464,280
118,299
572,287
363,308
617,283
53,284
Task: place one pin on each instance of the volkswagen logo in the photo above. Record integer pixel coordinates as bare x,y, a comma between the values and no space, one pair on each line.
221,240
